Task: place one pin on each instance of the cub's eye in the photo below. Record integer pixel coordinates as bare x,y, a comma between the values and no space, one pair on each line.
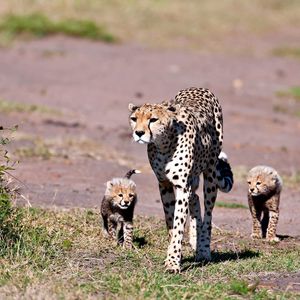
249,182
258,183
131,195
133,119
120,195
152,120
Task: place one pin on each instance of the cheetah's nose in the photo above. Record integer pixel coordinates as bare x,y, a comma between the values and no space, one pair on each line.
140,133
252,189
126,202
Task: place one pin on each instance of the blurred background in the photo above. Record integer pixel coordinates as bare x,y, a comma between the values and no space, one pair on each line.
69,68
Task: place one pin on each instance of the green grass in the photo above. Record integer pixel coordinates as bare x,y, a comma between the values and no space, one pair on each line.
287,52
63,254
175,24
292,180
12,106
293,92
39,25
230,205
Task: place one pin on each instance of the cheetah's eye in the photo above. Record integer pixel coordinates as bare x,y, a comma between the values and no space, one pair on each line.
131,195
249,182
133,119
258,183
152,120
120,195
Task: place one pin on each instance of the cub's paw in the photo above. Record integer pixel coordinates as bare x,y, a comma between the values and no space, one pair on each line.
273,239
256,236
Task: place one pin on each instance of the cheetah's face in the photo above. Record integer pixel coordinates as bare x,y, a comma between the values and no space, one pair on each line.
149,121
261,184
122,196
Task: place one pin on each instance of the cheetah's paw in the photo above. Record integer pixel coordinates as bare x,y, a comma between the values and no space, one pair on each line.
172,266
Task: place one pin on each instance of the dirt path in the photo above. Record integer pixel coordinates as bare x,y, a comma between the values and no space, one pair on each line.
86,140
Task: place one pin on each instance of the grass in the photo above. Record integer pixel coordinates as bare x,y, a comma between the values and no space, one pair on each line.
293,92
39,25
292,52
176,24
63,254
292,180
230,205
12,106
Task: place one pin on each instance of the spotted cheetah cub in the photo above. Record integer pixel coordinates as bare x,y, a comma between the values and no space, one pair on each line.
265,186
117,208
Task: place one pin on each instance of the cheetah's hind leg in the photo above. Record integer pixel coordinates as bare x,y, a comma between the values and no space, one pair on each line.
195,216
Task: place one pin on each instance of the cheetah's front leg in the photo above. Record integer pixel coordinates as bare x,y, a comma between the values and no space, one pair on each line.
168,200
173,259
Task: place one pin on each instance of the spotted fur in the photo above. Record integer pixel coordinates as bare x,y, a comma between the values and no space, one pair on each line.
265,186
117,208
184,138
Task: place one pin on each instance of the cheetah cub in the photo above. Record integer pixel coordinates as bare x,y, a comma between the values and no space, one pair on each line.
265,186
117,208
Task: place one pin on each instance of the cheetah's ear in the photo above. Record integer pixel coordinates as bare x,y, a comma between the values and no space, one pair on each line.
172,108
132,107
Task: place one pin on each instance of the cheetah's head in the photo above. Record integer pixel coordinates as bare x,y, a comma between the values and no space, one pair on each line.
122,192
150,121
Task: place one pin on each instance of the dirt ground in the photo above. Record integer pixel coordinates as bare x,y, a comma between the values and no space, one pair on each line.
87,138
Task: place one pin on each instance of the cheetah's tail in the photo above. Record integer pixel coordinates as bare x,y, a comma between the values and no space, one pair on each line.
224,173
131,172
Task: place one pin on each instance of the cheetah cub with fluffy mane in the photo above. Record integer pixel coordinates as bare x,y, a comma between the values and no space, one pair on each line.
117,208
265,186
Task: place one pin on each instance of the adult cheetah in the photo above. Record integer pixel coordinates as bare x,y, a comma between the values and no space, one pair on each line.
184,138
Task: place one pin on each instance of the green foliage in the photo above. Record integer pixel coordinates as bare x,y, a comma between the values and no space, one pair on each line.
63,254
293,92
239,287
230,205
38,25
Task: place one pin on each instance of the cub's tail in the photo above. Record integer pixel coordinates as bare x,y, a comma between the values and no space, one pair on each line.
131,172
224,174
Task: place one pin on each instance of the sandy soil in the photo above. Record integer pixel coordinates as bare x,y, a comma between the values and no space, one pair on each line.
91,84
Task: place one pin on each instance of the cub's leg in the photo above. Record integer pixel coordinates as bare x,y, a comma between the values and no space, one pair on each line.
168,200
128,235
271,231
256,217
195,216
210,195
112,226
173,259
273,206
105,225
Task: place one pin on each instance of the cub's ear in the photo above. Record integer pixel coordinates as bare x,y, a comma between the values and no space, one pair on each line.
109,185
132,107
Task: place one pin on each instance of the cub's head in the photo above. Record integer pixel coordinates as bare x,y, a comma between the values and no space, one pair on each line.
262,180
122,192
150,121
